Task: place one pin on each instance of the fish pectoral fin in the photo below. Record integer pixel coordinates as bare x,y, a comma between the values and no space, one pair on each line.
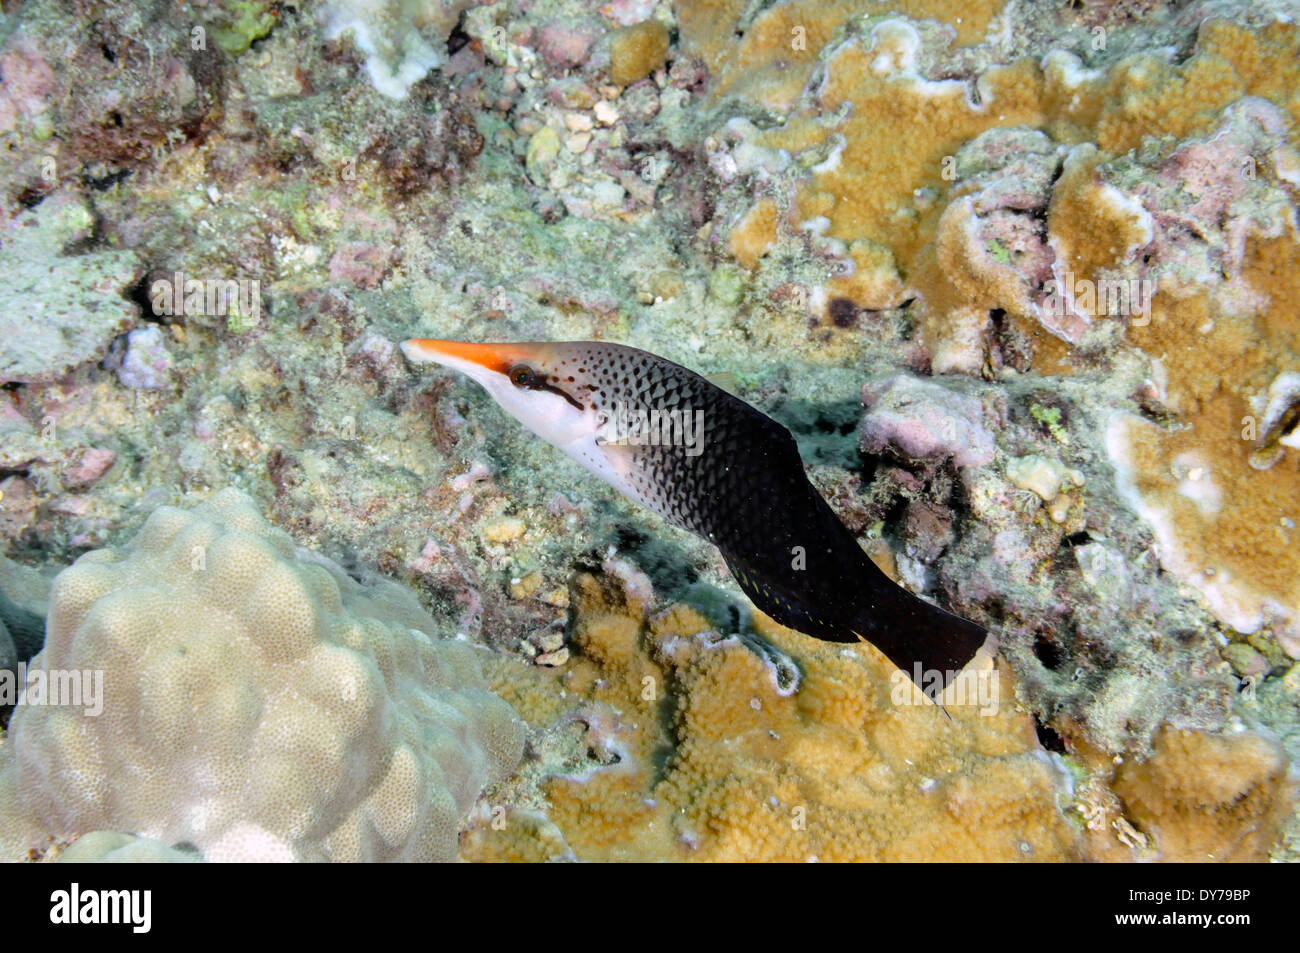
617,467
782,606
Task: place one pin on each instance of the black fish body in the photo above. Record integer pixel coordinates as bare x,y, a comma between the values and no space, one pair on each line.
709,462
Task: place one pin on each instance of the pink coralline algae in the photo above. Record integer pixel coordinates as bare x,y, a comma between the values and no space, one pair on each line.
90,467
565,43
28,83
924,421
361,263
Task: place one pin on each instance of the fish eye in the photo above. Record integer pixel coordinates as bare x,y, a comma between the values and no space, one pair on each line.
521,375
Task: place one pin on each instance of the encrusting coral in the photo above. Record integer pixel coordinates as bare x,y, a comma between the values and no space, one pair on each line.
1209,797
57,310
637,51
256,703
110,847
671,741
402,41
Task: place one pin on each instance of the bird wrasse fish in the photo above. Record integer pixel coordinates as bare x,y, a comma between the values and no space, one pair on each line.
708,462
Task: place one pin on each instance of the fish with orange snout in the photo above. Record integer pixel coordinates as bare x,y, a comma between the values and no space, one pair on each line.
708,462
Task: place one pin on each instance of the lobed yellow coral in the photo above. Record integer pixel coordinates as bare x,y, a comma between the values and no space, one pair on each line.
878,140
754,234
1224,526
898,128
773,57
1209,797
1090,226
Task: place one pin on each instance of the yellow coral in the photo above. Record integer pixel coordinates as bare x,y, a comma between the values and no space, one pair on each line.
772,61
720,760
688,746
874,282
879,141
1088,227
1143,96
1209,797
754,234
1224,526
637,51
899,128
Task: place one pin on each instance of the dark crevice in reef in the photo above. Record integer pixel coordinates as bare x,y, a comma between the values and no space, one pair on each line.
1050,652
663,562
1048,738
105,182
139,293
31,197
458,38
26,629
825,433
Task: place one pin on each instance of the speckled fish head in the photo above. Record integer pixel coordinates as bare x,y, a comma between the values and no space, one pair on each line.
564,392
530,380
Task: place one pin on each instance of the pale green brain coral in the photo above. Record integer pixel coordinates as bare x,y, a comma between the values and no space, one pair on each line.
258,703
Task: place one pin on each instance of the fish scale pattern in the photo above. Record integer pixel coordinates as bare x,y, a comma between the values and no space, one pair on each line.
740,483
745,489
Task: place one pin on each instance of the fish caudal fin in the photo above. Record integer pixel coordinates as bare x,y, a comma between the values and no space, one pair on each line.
929,645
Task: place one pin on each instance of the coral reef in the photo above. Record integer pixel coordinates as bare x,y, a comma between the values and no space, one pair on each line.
106,847
399,38
1236,817
22,633
792,753
672,741
24,598
1019,277
637,51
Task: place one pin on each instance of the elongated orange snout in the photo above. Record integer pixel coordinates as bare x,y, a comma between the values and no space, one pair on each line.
494,357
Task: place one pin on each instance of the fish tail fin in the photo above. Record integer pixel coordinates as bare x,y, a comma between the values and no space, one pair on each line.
929,645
